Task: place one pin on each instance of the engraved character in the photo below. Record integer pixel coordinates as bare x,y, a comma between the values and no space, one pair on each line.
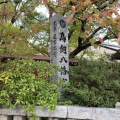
62,37
63,49
63,59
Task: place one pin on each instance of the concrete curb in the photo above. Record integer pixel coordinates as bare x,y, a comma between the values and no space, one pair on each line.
69,112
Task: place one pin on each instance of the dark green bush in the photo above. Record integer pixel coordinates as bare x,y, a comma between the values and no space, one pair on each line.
94,83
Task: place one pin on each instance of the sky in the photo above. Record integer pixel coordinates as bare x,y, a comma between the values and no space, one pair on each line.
43,10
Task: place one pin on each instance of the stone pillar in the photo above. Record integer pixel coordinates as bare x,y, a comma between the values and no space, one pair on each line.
50,118
117,105
59,46
3,117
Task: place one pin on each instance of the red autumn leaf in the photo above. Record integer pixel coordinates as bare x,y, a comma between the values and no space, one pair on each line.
35,73
69,19
107,12
73,8
90,19
45,1
101,40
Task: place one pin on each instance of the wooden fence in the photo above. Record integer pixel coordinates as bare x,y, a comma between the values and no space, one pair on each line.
63,112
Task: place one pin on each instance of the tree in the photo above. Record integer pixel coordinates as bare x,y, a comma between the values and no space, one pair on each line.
22,28
87,19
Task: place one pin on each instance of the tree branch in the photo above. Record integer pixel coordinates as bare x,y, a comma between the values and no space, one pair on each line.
103,5
95,31
77,50
70,34
113,33
80,47
15,17
4,2
83,25
97,42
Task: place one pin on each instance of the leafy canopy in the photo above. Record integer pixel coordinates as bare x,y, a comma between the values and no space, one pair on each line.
21,24
88,19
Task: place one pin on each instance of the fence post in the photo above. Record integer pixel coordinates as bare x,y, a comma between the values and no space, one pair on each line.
117,105
50,118
17,117
3,117
55,118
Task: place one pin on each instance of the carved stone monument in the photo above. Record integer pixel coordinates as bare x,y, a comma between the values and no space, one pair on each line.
59,45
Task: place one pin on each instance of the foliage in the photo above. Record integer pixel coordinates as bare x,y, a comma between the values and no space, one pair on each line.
90,21
24,82
22,26
94,83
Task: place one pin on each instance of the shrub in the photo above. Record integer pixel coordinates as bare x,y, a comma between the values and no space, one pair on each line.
26,82
94,83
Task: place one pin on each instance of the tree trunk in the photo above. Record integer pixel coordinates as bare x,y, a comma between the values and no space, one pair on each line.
116,56
74,52
81,48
